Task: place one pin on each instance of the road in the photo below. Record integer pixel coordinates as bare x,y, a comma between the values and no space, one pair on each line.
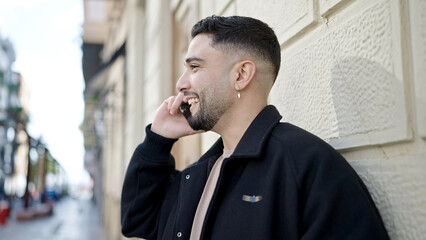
72,219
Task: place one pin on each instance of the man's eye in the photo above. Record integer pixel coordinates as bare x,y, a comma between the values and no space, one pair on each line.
193,66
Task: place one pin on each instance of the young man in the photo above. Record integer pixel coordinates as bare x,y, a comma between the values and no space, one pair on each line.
262,179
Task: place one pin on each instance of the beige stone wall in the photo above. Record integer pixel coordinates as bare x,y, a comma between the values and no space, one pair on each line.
352,72
417,10
157,84
113,154
113,114
134,128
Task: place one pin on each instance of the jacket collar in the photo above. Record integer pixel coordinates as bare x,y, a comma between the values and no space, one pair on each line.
253,140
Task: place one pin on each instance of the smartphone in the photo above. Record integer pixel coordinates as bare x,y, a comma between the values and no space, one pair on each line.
184,109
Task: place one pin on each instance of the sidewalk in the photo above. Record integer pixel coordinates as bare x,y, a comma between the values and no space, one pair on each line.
72,219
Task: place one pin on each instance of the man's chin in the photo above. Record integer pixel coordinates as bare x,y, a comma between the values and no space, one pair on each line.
194,124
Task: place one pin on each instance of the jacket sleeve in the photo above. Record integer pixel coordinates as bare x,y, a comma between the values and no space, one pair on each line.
336,203
148,174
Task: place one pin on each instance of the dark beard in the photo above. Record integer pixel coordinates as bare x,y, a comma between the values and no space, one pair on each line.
206,117
202,120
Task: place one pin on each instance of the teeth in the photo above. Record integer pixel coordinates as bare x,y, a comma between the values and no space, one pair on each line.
192,101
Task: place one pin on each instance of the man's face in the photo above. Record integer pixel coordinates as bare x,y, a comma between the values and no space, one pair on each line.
205,83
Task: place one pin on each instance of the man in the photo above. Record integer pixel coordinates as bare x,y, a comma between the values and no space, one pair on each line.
262,179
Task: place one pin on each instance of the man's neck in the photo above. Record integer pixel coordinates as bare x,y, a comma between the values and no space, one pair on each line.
235,123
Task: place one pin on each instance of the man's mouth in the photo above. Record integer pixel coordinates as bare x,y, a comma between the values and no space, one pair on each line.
185,107
192,101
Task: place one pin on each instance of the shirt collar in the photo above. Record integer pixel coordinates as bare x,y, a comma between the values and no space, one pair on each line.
255,137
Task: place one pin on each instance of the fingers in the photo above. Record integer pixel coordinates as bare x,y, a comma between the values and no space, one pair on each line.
169,122
175,103
169,102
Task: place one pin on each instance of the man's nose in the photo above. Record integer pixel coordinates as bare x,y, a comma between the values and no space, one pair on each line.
183,83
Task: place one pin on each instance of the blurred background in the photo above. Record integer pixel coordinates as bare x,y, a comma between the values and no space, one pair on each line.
41,113
80,80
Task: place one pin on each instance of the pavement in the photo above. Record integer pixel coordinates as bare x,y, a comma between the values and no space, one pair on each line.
72,219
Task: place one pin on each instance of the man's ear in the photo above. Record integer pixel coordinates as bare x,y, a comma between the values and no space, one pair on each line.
244,72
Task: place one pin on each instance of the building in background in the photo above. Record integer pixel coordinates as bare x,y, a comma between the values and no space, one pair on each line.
27,169
103,77
17,116
352,72
12,114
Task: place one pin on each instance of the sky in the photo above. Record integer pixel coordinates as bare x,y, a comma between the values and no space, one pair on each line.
46,35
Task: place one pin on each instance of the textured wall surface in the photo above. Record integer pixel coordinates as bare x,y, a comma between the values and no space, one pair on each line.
286,17
134,130
346,86
418,30
327,6
296,16
398,186
157,58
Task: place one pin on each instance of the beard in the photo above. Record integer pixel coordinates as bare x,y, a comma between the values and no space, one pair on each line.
213,103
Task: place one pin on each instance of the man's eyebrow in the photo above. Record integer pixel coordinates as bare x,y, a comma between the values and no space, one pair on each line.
191,59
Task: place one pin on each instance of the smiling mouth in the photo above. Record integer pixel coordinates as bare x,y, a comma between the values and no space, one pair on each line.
192,101
185,108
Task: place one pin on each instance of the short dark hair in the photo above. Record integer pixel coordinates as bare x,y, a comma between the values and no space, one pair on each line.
244,33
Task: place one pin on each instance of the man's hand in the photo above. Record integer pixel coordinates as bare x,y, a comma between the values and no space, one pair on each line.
169,122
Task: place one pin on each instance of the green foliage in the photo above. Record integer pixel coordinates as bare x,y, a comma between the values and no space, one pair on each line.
51,165
14,87
15,110
34,172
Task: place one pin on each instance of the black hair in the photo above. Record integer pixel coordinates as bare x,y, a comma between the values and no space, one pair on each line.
243,33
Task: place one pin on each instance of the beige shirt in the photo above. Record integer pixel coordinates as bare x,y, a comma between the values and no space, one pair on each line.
206,197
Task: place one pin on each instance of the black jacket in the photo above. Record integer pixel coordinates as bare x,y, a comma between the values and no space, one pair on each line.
281,182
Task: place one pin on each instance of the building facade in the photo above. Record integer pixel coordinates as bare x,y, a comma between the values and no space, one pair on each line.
352,73
7,126
14,100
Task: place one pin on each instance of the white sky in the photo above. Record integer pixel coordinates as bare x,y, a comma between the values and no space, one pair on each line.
46,35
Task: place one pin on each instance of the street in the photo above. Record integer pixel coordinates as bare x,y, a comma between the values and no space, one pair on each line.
72,219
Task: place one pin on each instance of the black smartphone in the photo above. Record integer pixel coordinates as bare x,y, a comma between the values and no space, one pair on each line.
184,109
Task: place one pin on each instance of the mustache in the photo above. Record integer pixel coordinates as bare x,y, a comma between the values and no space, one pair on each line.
188,93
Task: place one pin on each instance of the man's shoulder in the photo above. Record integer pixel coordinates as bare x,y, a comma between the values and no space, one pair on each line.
304,151
294,138
288,132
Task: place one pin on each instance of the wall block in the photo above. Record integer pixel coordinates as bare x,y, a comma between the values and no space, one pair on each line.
327,6
346,86
398,187
220,5
418,35
286,17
